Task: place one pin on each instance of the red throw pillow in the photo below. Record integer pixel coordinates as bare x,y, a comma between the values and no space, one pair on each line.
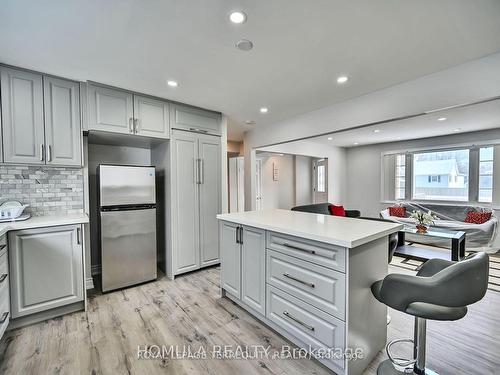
336,210
477,217
398,211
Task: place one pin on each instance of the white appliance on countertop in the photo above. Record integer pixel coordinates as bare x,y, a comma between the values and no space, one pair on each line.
11,210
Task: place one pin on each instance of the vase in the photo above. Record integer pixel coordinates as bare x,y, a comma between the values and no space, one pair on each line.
421,228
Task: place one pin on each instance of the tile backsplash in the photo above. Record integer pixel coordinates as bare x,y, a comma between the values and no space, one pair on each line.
47,190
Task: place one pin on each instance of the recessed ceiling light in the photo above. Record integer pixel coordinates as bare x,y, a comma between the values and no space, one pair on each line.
264,110
342,79
172,83
329,138
237,16
442,119
457,130
356,143
250,122
244,45
376,131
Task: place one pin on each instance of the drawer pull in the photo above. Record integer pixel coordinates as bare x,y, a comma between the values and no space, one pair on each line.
287,314
3,277
299,280
298,248
4,317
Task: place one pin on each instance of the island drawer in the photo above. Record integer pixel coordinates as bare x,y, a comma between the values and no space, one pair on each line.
322,287
330,256
310,325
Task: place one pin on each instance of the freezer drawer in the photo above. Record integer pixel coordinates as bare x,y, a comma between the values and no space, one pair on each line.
128,247
126,185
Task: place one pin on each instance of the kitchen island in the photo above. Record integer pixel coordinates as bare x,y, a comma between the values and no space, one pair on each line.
308,277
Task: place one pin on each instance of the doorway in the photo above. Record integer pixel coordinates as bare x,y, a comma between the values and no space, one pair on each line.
258,184
320,180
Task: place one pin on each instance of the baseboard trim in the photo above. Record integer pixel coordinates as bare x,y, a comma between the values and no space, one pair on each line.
89,283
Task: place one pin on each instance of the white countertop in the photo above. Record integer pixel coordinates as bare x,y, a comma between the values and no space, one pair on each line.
340,231
43,221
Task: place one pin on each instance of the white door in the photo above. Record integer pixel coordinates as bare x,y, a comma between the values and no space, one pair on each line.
258,184
320,180
236,184
185,202
209,171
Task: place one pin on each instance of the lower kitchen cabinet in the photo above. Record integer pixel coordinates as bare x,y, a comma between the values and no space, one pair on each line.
4,286
46,268
243,252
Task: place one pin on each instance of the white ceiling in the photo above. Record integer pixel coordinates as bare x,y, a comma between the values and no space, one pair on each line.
458,120
300,47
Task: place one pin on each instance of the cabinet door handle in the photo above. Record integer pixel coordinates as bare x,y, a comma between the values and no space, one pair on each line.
298,248
49,153
4,317
78,236
131,124
298,280
202,172
287,314
237,232
136,126
241,235
198,130
3,277
41,152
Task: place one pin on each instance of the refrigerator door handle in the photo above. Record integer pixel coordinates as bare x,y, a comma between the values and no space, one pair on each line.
202,172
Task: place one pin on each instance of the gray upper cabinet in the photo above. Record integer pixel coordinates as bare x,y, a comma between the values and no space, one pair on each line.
151,117
194,119
62,122
210,197
46,268
110,110
22,116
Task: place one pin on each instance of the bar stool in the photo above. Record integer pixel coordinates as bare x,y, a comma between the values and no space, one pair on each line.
441,290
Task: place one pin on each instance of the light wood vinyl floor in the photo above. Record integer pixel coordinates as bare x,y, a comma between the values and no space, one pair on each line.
104,339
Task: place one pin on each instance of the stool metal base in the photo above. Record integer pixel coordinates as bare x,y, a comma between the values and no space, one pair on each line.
387,368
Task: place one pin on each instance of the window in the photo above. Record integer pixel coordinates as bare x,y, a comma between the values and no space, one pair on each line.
321,179
441,175
485,174
400,176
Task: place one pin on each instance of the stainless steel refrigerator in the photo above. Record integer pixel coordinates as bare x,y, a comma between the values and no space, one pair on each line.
127,213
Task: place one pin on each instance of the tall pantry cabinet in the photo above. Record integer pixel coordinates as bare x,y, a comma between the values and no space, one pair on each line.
195,182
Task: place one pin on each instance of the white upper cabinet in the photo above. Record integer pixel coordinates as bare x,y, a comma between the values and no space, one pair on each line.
62,122
110,110
194,119
22,116
151,117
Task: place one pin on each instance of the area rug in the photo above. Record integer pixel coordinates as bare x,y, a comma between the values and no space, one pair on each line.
493,282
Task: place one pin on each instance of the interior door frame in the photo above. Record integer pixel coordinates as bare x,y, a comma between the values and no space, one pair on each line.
258,184
319,197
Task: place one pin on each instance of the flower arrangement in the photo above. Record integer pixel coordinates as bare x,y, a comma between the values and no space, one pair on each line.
424,219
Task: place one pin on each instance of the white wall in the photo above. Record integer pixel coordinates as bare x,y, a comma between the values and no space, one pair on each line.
281,193
364,166
303,180
336,164
465,83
